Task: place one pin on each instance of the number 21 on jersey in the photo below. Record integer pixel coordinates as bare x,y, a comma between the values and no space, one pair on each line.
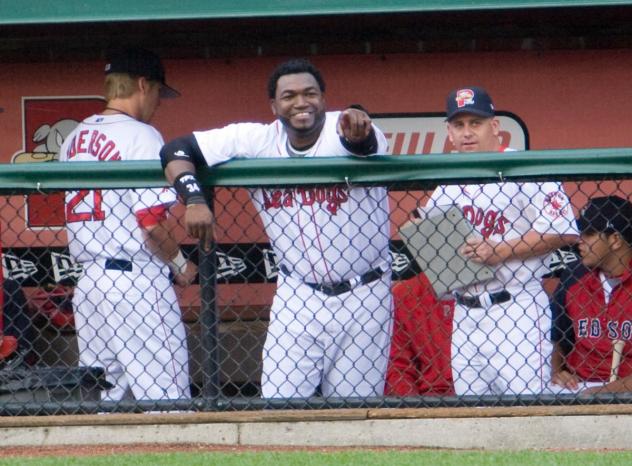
84,206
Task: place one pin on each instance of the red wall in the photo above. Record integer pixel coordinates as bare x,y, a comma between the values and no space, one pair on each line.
568,99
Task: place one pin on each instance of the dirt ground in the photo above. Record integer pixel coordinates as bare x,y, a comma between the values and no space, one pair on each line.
94,450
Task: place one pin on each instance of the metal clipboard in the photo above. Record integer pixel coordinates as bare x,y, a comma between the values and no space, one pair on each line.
434,242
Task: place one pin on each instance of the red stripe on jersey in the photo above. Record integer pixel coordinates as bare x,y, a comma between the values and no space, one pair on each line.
151,216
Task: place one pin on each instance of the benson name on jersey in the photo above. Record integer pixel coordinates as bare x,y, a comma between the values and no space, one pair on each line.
94,143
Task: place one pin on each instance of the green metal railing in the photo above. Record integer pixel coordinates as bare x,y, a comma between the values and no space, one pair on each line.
433,169
80,11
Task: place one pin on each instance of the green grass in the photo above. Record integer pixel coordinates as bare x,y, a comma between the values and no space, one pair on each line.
342,458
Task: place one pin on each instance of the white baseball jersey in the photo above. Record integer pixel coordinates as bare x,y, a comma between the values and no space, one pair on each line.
322,234
505,211
102,223
505,348
127,314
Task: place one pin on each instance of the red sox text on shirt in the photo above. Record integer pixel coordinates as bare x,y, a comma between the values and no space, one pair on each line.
592,328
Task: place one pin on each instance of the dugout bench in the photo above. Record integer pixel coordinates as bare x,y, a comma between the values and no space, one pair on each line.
242,331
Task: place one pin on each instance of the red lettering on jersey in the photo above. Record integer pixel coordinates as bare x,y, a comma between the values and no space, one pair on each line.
320,195
335,197
267,204
81,140
479,216
91,148
307,197
98,140
489,222
331,198
72,151
492,221
93,145
272,200
105,151
288,198
468,213
500,226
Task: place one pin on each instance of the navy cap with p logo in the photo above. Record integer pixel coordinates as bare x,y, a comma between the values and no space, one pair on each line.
474,100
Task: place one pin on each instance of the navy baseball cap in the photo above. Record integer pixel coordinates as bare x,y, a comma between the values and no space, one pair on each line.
140,62
472,99
608,214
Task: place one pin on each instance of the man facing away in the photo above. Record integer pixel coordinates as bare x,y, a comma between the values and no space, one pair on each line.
126,310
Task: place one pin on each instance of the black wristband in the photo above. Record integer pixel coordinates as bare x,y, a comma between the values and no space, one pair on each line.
365,147
189,189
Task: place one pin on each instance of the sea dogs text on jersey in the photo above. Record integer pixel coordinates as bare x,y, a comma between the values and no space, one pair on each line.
94,143
331,196
493,221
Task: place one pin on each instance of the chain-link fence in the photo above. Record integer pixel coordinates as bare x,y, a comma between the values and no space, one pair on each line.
432,289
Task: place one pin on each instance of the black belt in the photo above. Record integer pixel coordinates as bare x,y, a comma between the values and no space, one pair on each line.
475,301
118,264
334,289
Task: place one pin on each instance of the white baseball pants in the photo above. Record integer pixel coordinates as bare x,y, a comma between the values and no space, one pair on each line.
504,349
130,324
338,343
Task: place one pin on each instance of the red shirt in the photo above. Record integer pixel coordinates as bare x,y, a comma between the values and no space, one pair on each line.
586,326
420,351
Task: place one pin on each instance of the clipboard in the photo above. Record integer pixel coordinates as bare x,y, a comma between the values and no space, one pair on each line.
434,242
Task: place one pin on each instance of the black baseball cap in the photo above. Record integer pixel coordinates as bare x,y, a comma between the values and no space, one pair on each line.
140,62
472,99
608,214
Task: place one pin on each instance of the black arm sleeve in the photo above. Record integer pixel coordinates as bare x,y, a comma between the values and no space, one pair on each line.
366,147
183,148
562,331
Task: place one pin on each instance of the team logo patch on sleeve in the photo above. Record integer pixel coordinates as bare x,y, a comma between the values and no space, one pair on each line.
555,204
464,97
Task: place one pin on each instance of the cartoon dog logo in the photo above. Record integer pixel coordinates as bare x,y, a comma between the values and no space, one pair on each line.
50,139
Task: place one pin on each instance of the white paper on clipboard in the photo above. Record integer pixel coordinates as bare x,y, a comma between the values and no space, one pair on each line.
434,242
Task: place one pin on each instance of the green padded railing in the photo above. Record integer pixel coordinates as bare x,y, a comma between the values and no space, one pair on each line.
77,11
431,169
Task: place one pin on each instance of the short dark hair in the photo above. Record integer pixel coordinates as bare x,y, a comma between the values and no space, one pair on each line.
294,66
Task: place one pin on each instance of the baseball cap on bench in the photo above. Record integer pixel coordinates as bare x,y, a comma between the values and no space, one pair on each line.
140,62
472,99
607,214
